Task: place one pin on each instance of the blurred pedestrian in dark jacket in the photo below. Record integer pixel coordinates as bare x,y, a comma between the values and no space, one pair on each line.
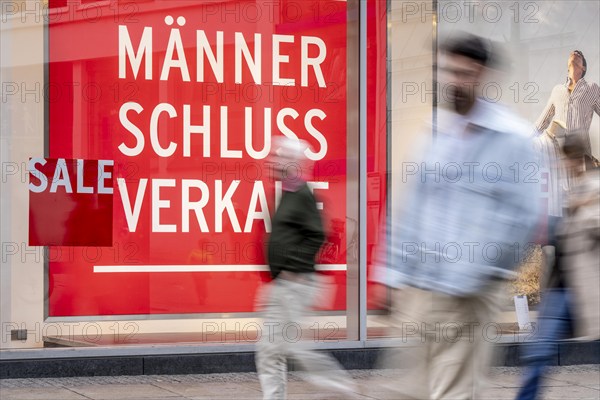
296,237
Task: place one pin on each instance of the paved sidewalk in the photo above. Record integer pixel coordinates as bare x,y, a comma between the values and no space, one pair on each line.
564,383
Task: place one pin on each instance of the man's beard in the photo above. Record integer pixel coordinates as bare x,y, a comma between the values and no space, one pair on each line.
461,99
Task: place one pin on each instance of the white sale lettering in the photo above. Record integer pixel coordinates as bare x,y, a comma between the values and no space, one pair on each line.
188,131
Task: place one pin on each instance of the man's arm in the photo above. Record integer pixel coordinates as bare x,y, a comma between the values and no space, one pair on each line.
596,105
311,228
546,116
519,207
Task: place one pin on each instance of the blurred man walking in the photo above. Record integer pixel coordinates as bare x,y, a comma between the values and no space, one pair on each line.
571,301
296,236
459,234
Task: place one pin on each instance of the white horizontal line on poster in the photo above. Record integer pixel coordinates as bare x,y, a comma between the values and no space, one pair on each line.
202,268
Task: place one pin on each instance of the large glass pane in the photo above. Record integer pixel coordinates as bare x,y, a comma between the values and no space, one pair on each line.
535,39
407,51
149,124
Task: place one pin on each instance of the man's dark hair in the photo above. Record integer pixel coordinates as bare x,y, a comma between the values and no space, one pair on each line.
583,61
470,46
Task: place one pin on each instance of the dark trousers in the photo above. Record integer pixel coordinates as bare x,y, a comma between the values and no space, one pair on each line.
554,323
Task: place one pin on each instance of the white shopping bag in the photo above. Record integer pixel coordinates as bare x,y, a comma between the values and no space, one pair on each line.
522,309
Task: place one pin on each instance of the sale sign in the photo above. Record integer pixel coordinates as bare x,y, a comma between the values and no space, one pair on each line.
184,98
70,202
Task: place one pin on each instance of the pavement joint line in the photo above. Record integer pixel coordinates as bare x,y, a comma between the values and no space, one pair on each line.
79,394
251,377
168,390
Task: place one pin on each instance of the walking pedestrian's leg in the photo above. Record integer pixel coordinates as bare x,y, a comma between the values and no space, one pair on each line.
410,310
272,372
554,323
324,370
461,343
452,354
271,361
531,382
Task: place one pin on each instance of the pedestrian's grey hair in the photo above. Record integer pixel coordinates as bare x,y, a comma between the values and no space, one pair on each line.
290,148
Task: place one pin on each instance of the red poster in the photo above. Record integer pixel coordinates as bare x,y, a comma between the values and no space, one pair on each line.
377,157
70,202
184,98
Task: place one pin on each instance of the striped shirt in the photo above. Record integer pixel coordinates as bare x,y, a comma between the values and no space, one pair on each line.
554,176
575,109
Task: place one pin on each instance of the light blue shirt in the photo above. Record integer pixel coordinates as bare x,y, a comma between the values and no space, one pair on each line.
473,204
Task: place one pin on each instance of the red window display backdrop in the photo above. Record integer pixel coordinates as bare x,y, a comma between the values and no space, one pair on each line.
141,84
377,149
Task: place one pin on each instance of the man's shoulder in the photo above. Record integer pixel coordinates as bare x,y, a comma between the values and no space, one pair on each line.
503,120
593,86
517,126
561,87
304,190
303,193
507,132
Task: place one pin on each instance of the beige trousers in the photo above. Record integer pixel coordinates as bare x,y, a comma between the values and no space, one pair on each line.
447,343
285,304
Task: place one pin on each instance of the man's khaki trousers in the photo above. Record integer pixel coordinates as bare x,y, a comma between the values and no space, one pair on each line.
447,343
